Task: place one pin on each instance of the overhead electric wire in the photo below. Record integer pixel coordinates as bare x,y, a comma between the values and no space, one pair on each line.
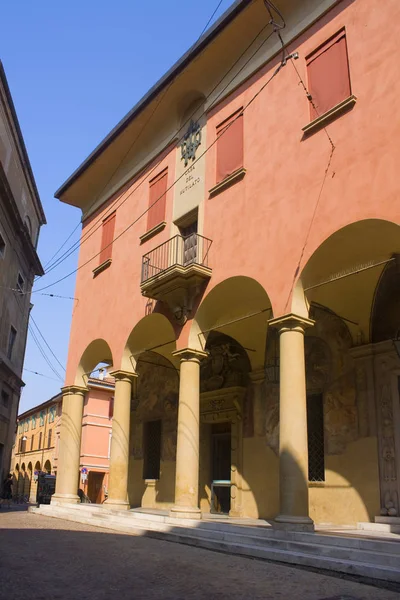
43,353
97,224
43,338
49,264
40,374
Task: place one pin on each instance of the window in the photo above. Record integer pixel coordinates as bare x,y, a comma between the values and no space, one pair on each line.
5,399
157,199
42,416
52,414
315,429
22,445
20,284
32,441
11,341
111,408
49,436
40,441
328,75
230,146
33,421
107,237
2,246
26,425
152,450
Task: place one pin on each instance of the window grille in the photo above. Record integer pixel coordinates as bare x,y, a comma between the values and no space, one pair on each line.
152,450
315,429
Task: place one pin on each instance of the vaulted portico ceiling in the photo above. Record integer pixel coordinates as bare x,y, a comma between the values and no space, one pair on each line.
203,69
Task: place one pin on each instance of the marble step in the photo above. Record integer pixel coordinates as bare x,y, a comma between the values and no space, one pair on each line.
371,562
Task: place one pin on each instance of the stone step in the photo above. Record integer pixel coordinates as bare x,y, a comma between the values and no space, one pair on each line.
379,527
368,561
148,520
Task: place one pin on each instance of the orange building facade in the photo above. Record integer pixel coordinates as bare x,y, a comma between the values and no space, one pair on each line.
238,273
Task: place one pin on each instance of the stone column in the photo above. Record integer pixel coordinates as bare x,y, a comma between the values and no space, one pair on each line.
119,455
187,450
70,445
293,447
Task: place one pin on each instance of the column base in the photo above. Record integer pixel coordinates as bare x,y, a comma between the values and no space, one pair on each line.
117,504
65,499
185,512
291,523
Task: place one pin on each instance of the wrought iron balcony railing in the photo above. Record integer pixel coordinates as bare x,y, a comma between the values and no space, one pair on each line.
178,251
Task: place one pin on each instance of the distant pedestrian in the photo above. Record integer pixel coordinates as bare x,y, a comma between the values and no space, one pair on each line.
6,493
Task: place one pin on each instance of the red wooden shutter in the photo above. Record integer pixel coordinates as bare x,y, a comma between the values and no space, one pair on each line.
157,197
230,146
328,75
107,238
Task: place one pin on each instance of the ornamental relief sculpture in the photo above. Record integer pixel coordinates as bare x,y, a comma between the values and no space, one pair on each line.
384,365
226,366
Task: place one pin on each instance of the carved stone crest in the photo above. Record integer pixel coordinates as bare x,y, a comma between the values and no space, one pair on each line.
191,141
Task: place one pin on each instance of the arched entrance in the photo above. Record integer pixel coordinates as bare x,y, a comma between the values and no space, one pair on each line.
348,371
67,484
154,407
231,324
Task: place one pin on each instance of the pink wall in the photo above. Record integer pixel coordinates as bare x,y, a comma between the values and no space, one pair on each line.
262,226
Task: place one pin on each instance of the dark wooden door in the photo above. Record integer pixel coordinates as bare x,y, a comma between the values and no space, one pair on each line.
189,234
95,487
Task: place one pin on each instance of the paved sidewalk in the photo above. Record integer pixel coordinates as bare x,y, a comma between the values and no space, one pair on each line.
43,558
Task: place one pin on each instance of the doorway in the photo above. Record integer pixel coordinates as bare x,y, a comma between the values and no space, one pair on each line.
221,468
189,234
95,487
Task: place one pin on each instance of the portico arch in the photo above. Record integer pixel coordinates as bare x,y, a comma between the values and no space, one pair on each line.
240,308
148,353
153,333
97,352
340,274
345,372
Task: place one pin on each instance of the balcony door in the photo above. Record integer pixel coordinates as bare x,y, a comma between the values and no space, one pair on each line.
189,235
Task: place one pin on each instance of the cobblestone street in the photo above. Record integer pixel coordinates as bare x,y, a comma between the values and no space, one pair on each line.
43,558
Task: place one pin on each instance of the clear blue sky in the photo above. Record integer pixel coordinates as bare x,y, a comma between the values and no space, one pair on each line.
75,69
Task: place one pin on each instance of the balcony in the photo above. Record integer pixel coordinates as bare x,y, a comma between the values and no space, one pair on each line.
174,271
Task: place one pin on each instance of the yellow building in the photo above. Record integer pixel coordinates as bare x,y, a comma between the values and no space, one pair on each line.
35,446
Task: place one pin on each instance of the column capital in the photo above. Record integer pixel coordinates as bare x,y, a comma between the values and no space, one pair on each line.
123,375
291,322
257,376
74,389
190,354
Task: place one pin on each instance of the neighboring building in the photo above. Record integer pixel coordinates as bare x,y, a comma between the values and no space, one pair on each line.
21,216
36,445
37,442
249,317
